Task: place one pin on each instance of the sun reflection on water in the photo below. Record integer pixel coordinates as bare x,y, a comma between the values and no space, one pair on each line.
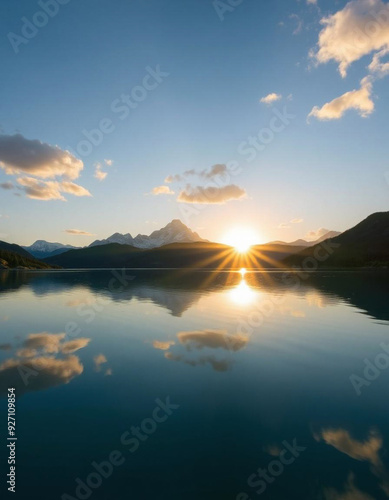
243,294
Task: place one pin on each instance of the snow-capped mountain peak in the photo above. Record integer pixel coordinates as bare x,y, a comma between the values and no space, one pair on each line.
41,248
174,232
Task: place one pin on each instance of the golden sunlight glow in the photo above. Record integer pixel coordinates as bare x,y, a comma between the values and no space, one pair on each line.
242,294
242,239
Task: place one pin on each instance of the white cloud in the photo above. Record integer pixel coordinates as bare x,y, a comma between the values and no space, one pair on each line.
377,66
50,190
214,171
285,225
40,190
173,178
211,195
7,185
216,191
74,189
312,2
19,155
299,22
78,232
270,98
99,173
360,28
315,235
45,171
162,190
360,100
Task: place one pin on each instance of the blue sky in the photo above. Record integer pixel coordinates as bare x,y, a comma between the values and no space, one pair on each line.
328,171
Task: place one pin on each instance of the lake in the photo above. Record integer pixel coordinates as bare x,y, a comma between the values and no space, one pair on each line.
197,385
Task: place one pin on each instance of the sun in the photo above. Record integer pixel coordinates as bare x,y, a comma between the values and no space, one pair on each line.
242,239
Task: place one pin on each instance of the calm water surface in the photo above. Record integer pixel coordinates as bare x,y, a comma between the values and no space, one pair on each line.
265,374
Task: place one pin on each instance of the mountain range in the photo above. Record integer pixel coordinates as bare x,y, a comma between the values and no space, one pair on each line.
15,257
41,249
176,246
174,232
201,255
304,243
366,244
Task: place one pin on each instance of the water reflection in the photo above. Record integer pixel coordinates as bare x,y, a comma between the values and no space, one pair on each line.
241,394
39,373
197,348
36,365
350,492
179,291
219,365
243,294
99,361
163,346
368,450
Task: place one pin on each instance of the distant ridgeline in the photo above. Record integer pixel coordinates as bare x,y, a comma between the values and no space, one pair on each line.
365,245
178,255
15,257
